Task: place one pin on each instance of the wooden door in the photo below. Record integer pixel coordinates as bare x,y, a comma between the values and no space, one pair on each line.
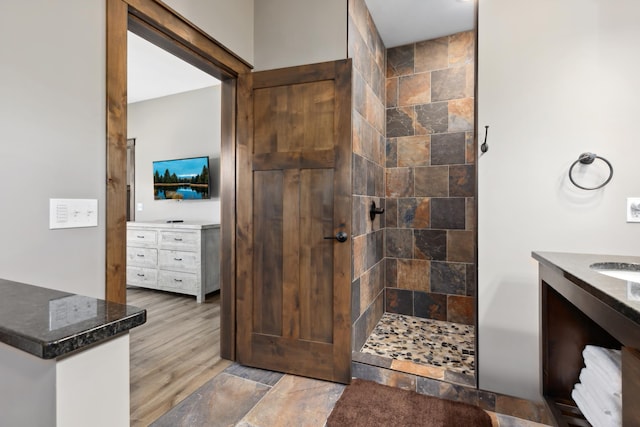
294,189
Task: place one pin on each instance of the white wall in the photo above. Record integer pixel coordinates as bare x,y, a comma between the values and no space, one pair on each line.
27,389
52,116
555,79
297,32
173,127
229,22
94,385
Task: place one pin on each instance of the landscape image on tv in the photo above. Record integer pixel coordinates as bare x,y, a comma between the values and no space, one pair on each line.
181,179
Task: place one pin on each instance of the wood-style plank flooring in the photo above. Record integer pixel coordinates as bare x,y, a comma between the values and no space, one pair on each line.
176,351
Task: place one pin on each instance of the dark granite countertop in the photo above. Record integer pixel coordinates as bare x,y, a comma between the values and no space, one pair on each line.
48,323
621,295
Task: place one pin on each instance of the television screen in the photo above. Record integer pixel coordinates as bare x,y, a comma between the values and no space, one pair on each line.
182,179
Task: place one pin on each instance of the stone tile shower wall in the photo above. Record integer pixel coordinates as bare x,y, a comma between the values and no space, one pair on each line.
367,51
430,179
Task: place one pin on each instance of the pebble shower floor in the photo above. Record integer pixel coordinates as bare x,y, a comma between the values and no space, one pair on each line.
424,341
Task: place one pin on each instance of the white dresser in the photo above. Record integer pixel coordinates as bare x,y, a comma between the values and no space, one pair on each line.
177,257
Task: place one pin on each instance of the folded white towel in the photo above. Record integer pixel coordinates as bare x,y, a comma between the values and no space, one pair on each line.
607,360
598,395
586,407
607,406
602,389
591,409
610,382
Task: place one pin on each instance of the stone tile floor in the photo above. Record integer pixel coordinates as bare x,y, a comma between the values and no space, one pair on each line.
249,397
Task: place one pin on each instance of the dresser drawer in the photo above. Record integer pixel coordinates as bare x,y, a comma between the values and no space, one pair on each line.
137,236
185,240
179,260
142,276
142,257
178,281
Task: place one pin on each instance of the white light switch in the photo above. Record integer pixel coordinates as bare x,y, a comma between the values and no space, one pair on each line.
73,213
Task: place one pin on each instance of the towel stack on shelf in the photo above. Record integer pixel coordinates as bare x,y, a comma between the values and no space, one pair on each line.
599,392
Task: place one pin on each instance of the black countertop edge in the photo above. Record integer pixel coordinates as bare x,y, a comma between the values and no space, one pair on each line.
611,291
28,320
60,347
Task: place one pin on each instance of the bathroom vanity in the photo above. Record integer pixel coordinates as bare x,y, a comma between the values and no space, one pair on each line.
64,358
580,306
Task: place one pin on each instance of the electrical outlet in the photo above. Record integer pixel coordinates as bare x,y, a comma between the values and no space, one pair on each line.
633,209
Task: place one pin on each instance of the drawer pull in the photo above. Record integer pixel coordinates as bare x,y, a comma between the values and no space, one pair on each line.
140,255
177,280
177,259
140,275
177,239
140,237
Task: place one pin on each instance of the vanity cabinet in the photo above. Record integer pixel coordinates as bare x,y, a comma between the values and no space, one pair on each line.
580,306
176,257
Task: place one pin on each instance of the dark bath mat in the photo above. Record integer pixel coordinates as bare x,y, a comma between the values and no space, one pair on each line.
365,403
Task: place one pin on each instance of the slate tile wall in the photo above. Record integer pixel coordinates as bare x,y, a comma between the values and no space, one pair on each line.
367,51
430,179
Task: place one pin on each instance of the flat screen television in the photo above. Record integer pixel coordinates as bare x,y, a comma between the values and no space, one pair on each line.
182,179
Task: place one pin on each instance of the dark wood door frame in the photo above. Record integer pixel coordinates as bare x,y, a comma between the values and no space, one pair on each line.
159,24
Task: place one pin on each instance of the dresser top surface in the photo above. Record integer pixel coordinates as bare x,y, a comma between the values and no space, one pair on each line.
164,224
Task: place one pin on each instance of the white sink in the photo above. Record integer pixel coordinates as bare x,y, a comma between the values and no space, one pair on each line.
620,270
631,276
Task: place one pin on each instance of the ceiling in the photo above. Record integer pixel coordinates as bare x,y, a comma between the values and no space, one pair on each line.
153,72
402,22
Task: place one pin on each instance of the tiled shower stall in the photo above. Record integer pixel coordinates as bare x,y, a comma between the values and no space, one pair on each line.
413,154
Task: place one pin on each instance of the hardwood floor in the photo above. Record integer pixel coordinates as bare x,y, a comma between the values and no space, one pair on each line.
174,353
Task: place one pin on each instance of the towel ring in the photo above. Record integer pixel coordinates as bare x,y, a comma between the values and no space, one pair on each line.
587,159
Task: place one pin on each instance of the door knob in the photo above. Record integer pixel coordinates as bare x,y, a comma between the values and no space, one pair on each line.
340,236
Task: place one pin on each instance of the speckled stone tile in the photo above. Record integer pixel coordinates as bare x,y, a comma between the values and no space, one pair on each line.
424,341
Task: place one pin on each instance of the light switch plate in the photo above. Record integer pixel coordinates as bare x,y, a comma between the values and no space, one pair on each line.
633,209
73,213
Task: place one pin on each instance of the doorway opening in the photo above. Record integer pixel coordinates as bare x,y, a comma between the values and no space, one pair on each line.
163,27
173,112
157,23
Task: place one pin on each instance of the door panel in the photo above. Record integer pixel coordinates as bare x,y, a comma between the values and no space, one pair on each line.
316,261
267,253
294,189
